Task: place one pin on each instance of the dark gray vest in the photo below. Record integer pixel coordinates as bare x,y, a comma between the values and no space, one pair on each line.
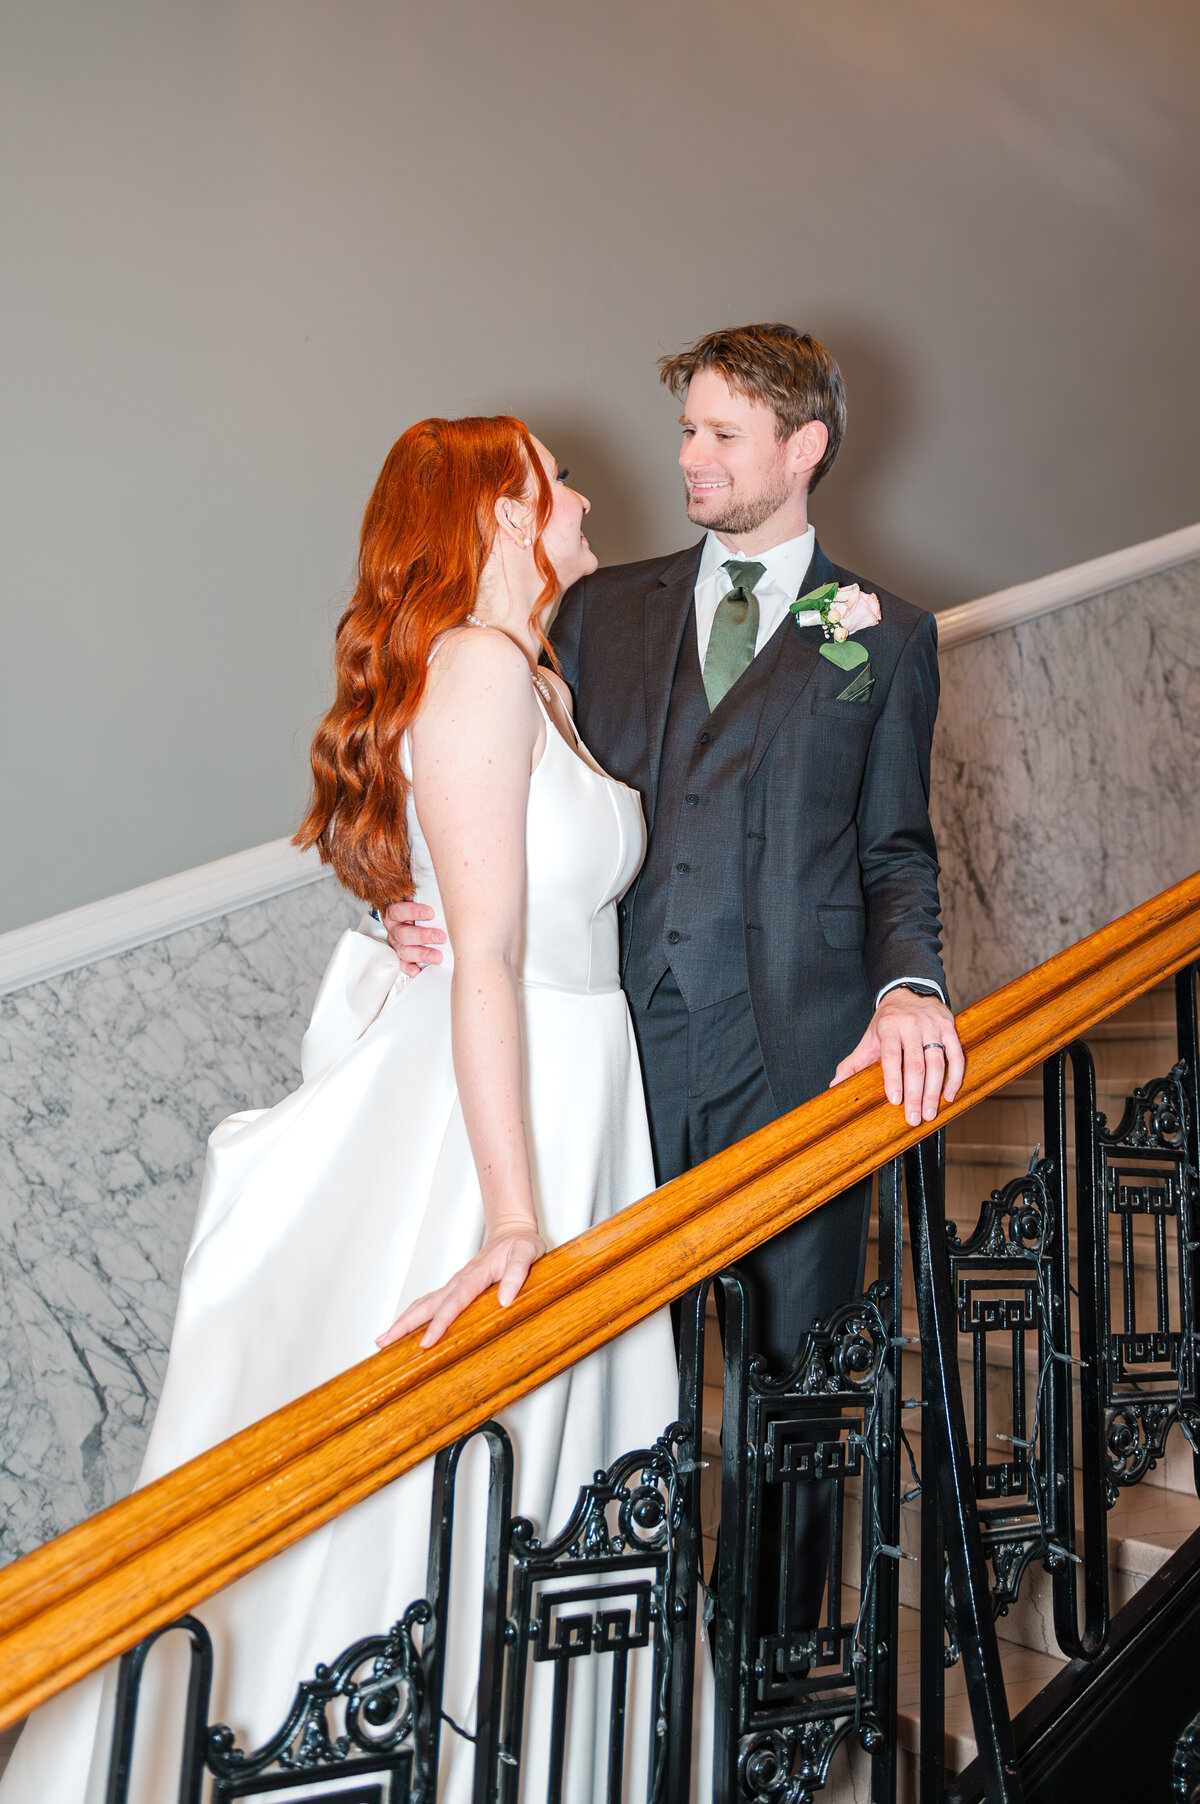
687,910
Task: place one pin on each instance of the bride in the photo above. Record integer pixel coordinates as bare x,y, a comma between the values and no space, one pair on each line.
447,1130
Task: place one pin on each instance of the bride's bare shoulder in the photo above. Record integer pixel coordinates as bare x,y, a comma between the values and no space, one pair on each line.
473,656
478,692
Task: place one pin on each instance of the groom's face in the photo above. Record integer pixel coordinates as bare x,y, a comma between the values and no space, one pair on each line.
736,469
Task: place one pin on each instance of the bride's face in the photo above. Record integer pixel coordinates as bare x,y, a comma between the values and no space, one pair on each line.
563,540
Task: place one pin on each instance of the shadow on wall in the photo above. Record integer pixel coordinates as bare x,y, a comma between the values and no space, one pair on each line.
883,402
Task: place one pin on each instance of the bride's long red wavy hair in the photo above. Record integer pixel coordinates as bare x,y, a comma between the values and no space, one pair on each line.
426,536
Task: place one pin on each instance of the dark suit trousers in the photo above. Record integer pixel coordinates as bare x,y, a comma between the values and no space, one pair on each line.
705,1090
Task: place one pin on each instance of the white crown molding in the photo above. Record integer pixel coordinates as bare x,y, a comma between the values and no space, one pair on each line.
1063,588
80,937
118,923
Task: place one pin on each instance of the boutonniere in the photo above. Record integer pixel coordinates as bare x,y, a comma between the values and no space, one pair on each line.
839,612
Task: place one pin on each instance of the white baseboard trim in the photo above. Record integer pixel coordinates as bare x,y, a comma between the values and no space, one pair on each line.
137,916
80,937
1063,588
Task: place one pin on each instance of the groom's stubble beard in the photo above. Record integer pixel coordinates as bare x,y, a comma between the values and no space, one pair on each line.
748,515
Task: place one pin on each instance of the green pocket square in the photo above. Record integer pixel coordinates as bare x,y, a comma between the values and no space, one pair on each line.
860,689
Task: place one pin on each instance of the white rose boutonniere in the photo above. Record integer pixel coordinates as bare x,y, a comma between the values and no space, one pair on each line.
839,612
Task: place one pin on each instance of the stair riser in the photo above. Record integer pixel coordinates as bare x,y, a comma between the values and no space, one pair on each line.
850,1777
1029,1623
1174,1472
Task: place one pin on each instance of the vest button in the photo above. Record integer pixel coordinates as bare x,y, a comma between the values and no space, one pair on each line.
683,867
704,738
673,938
691,801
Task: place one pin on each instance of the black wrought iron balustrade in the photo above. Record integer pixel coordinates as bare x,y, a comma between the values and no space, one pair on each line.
799,1614
614,1582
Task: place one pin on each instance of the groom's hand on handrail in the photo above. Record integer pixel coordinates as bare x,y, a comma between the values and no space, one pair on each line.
914,1038
413,943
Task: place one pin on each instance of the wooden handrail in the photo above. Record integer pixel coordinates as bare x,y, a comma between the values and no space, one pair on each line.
96,1590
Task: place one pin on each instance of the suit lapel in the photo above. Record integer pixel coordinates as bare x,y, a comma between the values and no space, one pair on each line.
668,607
795,665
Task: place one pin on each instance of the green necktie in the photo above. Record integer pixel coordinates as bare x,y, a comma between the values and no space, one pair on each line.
734,632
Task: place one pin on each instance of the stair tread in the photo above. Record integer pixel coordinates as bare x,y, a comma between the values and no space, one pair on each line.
1026,1672
1148,1525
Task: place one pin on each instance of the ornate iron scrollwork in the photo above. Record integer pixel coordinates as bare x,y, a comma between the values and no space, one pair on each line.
1146,1208
1007,1285
804,1630
376,1686
618,1550
375,1712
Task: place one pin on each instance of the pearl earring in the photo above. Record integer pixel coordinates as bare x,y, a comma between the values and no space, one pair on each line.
528,540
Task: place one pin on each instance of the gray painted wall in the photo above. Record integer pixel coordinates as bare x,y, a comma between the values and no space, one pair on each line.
246,244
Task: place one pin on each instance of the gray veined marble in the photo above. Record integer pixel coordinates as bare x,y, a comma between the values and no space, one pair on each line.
1065,775
111,1079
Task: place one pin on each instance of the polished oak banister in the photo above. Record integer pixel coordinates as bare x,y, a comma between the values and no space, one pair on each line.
91,1593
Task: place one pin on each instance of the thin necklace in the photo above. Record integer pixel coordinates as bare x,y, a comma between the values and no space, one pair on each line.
539,682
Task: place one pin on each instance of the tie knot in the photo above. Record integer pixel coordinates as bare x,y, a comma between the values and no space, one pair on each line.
744,575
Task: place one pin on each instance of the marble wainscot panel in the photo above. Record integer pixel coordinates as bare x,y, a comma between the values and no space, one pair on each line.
111,1079
1066,775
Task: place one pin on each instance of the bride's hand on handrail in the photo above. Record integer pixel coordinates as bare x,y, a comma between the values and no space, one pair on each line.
504,1260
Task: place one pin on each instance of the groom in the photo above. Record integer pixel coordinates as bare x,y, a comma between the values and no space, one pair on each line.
784,930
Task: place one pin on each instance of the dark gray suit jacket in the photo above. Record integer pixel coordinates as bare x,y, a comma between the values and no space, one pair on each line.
839,865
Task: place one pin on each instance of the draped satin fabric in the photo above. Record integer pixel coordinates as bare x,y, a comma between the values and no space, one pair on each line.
320,1219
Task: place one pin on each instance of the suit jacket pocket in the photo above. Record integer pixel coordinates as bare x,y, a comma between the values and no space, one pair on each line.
844,926
853,713
860,686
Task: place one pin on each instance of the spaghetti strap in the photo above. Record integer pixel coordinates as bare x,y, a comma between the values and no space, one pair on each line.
438,643
542,693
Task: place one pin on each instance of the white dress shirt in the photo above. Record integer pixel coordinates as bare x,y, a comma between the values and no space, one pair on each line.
785,568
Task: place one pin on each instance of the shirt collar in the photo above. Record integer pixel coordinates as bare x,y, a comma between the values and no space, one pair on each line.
786,565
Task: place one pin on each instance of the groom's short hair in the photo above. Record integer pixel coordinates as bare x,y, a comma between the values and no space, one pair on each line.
788,371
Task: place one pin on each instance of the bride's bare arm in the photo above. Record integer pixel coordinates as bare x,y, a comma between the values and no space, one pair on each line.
474,744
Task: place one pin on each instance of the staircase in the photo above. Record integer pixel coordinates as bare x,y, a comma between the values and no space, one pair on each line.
120,1578
1149,1521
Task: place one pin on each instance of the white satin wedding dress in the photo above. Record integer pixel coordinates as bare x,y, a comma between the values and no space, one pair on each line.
321,1218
